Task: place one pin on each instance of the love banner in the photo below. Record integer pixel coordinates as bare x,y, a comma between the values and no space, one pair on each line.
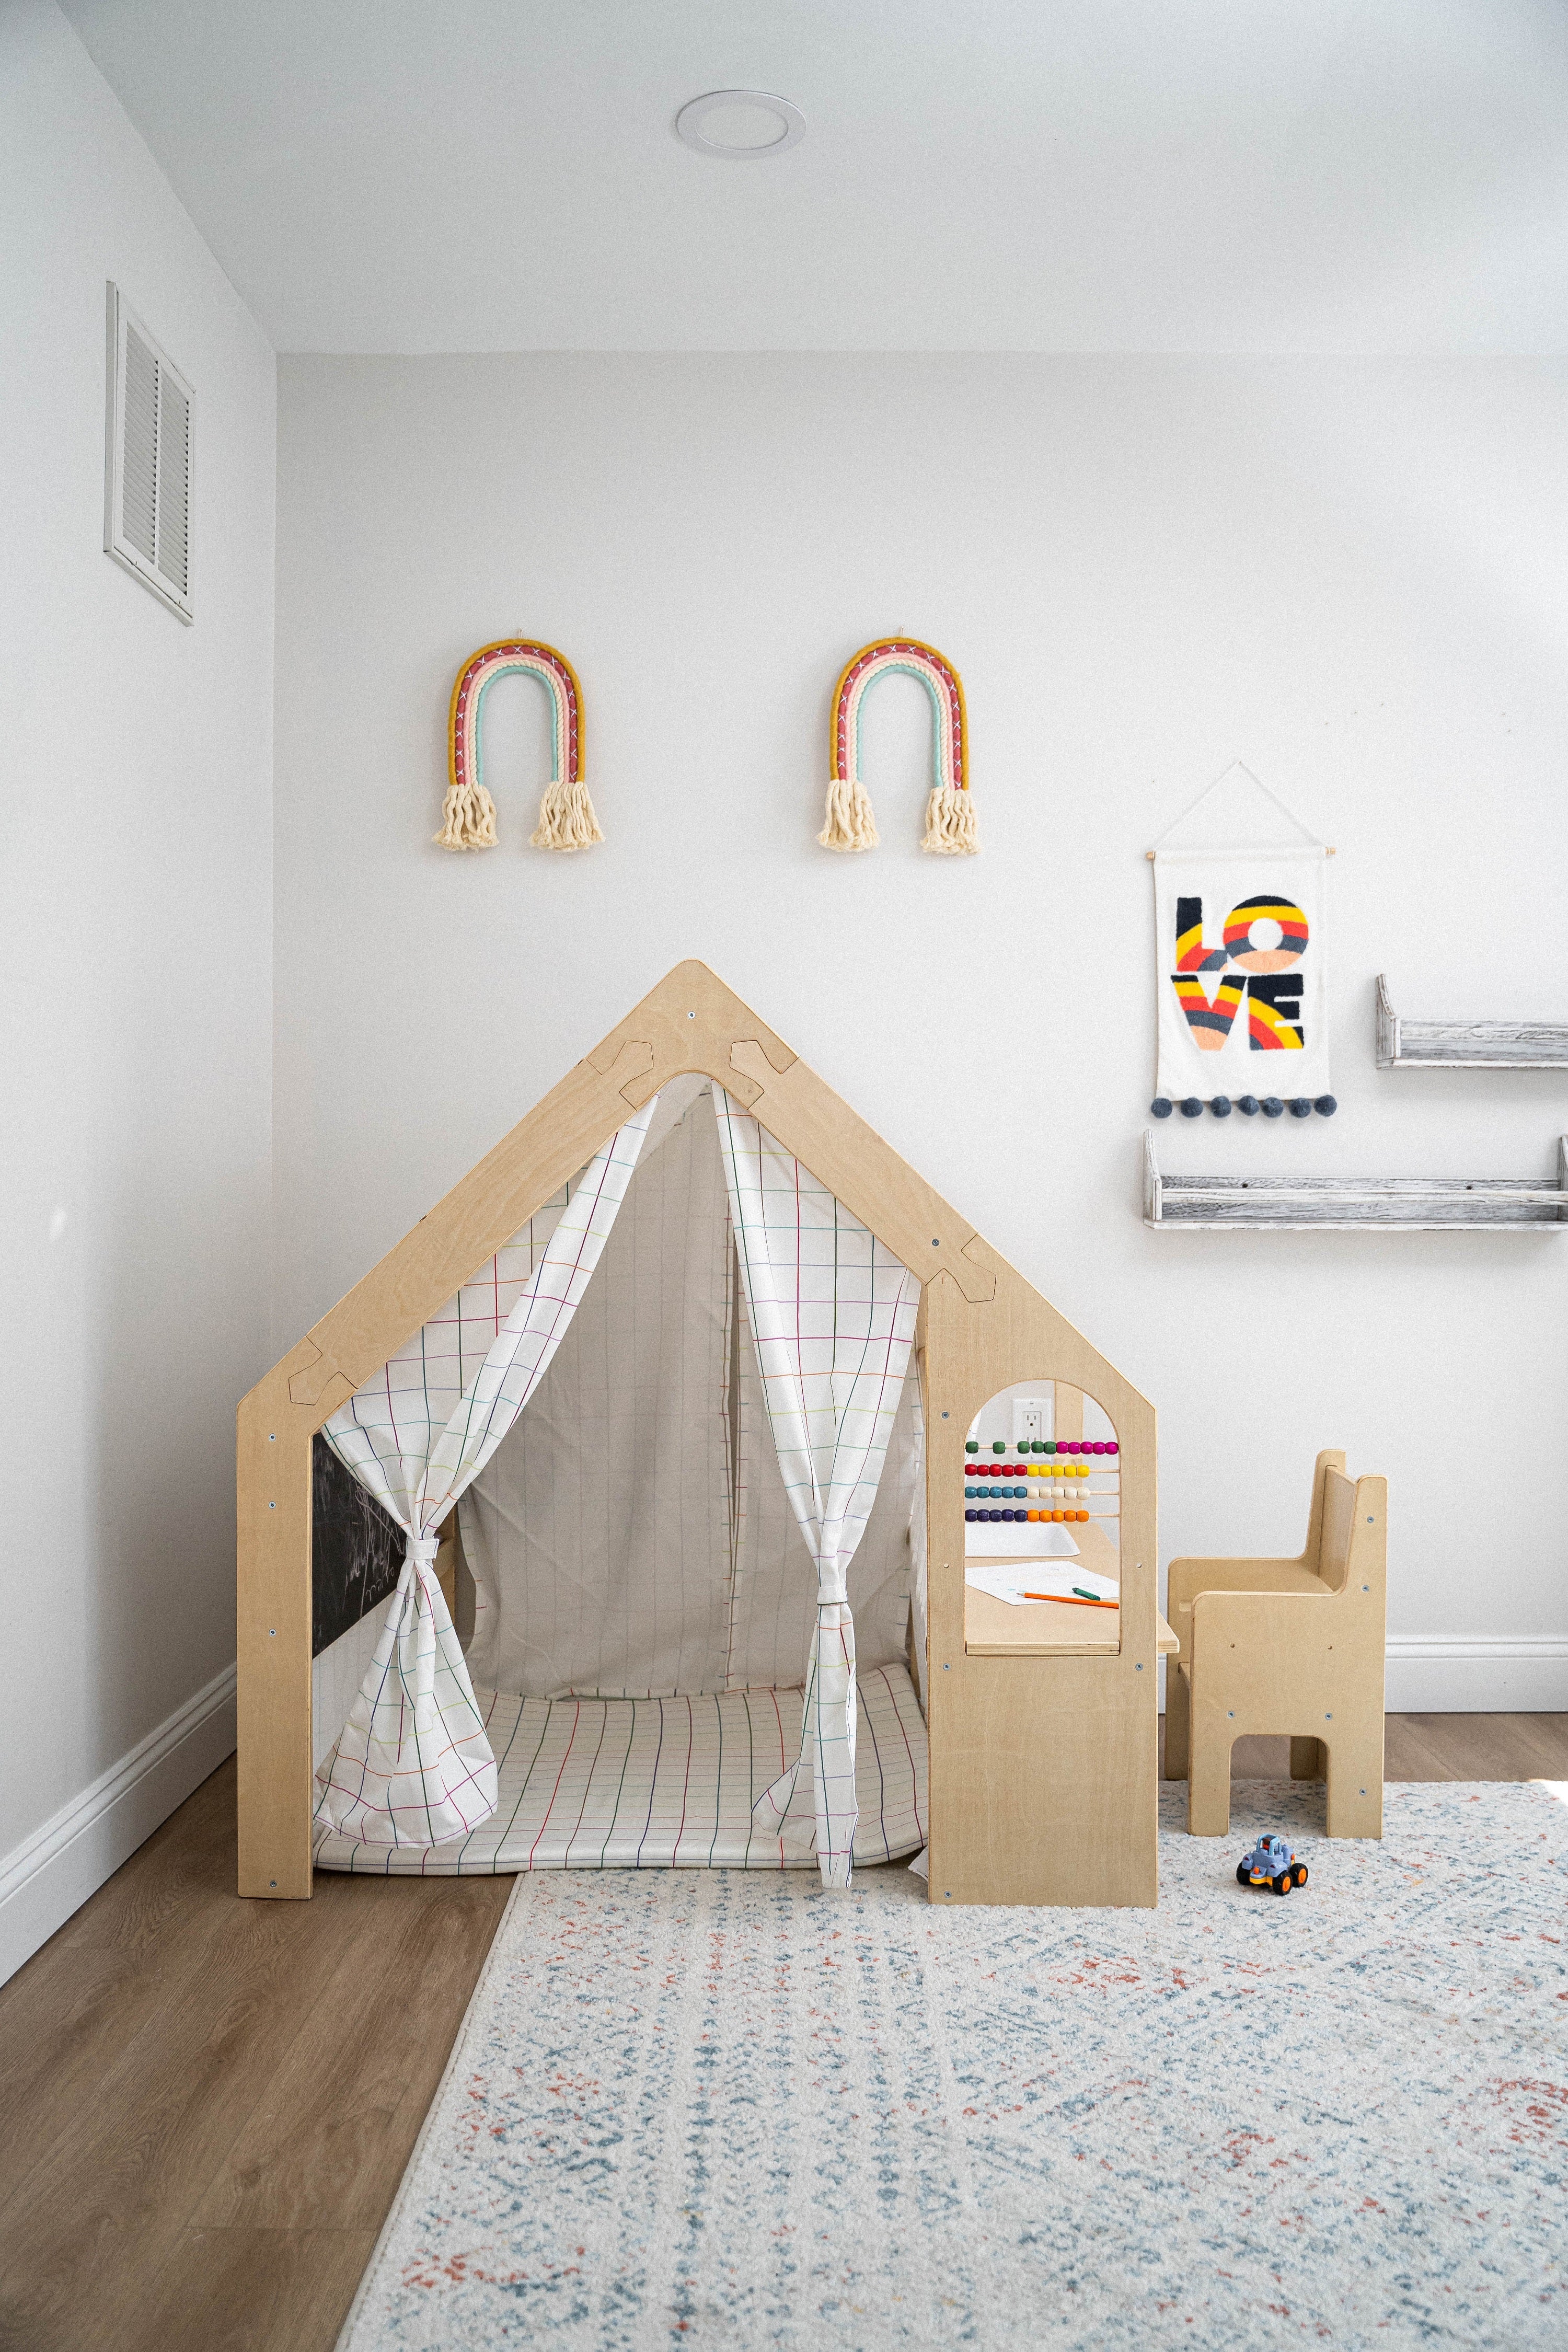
1241,921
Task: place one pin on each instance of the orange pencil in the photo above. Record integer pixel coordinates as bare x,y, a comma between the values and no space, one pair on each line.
1071,1600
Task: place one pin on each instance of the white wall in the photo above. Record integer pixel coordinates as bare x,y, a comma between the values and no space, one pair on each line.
135,879
1353,576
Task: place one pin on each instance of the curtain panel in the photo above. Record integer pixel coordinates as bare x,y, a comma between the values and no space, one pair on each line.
412,1765
831,1313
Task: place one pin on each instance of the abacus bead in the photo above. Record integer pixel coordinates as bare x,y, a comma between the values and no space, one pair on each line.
1113,1447
971,1445
1099,1447
971,1515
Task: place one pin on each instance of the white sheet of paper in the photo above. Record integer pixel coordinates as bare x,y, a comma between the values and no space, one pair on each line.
1043,1539
1004,1580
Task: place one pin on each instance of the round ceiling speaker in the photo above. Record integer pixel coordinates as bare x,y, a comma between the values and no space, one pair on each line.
741,126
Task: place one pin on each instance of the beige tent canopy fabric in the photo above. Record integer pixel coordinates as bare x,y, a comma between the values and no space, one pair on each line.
628,1529
614,1551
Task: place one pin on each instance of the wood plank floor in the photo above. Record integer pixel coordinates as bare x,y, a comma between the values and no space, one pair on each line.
206,2104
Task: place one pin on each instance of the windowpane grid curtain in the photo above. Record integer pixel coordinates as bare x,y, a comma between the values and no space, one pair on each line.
831,1313
412,1765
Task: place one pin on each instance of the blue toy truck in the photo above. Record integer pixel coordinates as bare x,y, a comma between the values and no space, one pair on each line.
1271,1862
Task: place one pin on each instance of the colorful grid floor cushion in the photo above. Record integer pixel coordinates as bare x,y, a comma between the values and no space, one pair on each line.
652,1783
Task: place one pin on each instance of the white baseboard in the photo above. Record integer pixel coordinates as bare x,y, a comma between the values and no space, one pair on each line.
1435,1673
51,1873
1441,1674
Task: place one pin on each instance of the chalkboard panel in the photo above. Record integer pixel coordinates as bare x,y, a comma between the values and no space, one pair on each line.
356,1551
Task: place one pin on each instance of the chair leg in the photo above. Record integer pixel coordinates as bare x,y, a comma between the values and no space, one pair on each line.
1208,1784
1306,1759
1178,1719
1355,1785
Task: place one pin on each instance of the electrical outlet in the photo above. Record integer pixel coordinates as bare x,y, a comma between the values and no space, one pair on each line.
1032,1419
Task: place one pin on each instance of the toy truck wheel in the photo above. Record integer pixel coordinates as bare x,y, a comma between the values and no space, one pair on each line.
1241,1874
1282,1884
1300,1873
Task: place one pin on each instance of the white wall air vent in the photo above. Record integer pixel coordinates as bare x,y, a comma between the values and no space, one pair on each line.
147,502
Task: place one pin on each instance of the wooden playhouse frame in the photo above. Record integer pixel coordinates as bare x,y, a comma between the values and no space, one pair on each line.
1043,1751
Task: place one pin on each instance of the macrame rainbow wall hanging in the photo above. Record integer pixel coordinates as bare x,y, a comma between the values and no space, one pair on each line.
567,818
950,810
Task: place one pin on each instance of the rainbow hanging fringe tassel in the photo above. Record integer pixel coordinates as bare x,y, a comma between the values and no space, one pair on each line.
567,818
950,810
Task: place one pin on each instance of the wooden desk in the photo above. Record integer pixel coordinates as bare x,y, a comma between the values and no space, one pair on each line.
1043,1629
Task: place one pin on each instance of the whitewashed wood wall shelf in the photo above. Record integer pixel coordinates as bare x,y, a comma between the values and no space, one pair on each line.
1424,1205
1467,1045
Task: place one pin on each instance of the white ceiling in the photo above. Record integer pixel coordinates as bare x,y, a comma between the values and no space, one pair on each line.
1065,176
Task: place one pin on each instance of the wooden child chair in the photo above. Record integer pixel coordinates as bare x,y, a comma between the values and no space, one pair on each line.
1287,1645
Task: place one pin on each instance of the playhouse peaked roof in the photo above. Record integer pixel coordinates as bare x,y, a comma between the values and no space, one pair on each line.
689,1022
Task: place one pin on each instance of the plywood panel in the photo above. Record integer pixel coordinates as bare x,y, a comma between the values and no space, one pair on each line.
1304,1663
1042,1767
1067,1418
690,1022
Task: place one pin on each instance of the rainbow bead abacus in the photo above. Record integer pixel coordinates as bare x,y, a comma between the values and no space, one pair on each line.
950,810
567,818
1046,1484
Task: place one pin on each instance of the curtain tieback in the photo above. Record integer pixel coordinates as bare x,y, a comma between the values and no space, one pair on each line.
421,1550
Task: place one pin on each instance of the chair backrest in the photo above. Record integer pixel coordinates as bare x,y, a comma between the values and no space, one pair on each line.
1353,1557
1337,1528
1331,1458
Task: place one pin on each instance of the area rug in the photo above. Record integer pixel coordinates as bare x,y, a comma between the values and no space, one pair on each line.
721,2108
